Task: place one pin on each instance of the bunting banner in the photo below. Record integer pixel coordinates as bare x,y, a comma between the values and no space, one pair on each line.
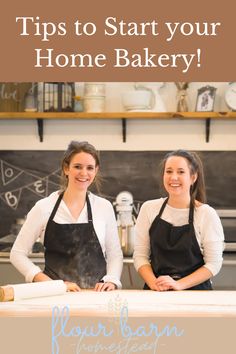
12,198
39,187
9,172
13,175
17,180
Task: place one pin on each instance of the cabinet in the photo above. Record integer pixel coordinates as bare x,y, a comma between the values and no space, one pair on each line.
123,116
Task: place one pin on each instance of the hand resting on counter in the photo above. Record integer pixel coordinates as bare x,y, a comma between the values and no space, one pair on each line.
73,287
107,286
165,282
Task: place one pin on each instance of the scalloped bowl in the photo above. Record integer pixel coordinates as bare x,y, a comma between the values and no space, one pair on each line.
137,100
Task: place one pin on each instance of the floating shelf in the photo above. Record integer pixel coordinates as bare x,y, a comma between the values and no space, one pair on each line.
40,116
117,115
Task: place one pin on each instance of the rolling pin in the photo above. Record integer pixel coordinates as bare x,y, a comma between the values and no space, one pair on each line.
31,290
6,293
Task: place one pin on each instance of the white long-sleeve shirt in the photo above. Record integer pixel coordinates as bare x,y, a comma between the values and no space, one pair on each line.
207,226
34,227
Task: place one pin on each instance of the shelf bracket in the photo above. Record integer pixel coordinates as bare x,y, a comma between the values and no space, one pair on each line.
208,126
40,129
124,129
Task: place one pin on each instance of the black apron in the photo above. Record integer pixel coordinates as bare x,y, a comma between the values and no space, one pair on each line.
73,252
175,250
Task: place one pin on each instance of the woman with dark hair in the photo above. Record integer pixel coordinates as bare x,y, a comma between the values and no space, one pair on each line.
179,239
78,229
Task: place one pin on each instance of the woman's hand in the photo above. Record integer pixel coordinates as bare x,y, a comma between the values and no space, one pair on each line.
69,285
165,282
107,286
72,286
152,285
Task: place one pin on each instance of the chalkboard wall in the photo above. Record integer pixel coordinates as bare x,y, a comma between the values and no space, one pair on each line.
26,176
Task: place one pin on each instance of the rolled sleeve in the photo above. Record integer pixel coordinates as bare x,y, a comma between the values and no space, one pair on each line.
22,247
212,241
142,241
113,252
213,256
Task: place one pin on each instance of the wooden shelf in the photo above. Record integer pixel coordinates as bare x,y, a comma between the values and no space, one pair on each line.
40,116
117,115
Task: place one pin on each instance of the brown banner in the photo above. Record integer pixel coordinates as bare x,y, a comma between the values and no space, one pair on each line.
123,40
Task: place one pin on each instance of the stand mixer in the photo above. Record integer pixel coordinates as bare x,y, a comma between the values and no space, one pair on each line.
125,221
157,102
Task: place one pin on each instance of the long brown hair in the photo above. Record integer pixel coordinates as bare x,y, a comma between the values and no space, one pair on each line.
74,148
197,190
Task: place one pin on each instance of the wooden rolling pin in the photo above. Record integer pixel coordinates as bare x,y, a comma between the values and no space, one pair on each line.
6,293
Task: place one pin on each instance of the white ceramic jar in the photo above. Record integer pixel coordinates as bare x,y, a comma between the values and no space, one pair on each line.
94,89
94,103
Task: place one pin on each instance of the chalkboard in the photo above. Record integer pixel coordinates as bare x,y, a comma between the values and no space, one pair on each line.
27,176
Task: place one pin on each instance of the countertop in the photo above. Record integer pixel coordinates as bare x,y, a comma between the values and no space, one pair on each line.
140,303
121,322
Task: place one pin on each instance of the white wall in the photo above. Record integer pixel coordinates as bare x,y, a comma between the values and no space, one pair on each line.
141,134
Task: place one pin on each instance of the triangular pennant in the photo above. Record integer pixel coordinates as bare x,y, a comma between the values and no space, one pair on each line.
12,198
54,184
55,177
9,172
57,172
39,187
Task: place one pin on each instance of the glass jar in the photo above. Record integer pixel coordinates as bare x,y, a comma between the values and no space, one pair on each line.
30,102
78,104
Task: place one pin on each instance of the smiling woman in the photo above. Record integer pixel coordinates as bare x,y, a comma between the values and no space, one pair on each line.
179,239
77,228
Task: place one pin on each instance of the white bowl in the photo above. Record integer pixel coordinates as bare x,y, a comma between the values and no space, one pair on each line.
137,100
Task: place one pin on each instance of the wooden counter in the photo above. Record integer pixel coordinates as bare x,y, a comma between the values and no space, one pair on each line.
121,322
140,303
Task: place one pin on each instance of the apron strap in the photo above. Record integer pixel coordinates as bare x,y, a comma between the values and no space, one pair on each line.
191,211
163,207
90,216
190,217
56,207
